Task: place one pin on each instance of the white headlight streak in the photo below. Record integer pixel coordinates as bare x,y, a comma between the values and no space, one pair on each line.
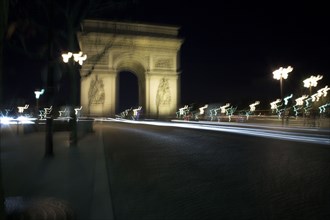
260,132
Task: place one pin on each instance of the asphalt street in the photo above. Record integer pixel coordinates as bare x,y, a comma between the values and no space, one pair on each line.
164,172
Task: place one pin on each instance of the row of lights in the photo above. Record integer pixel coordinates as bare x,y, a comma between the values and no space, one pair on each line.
282,73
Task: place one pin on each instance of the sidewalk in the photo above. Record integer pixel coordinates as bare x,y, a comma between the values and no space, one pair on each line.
73,184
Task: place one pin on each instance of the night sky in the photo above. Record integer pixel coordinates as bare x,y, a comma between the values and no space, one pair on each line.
231,48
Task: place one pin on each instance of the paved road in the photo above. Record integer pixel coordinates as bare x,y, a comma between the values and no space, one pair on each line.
160,172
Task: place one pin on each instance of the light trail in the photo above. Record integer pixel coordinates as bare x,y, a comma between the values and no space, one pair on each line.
20,120
260,132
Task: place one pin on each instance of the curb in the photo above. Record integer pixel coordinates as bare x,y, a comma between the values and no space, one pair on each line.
101,204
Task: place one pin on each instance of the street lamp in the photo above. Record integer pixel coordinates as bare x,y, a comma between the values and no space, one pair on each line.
312,82
280,74
79,58
286,99
38,94
273,105
253,106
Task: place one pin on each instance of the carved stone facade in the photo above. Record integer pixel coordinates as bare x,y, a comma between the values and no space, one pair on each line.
151,52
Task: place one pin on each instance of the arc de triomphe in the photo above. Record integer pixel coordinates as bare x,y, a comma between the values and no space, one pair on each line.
151,52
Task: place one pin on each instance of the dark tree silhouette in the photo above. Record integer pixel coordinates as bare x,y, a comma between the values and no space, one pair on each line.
3,26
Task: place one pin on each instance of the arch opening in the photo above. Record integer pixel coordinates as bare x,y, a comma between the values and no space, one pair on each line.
128,91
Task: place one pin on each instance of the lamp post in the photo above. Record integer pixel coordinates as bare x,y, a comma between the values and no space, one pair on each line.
280,74
311,82
309,110
79,58
38,94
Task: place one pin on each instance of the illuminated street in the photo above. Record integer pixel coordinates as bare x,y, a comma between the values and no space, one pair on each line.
165,172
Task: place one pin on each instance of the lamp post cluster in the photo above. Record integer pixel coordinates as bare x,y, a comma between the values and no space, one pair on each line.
79,58
280,74
312,81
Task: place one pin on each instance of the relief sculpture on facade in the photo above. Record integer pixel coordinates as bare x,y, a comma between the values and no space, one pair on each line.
96,93
164,63
163,93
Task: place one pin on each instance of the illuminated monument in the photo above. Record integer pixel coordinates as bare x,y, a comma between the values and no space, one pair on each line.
151,52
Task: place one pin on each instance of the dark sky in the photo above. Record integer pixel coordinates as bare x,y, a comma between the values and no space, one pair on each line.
231,48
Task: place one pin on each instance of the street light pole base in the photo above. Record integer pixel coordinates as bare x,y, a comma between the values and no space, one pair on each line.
49,138
73,131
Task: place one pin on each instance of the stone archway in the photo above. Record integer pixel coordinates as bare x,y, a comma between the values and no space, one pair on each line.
151,52
128,88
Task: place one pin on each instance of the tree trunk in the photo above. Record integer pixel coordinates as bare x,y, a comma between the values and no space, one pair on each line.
73,89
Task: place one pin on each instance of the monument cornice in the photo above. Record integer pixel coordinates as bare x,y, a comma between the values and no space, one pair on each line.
136,41
101,26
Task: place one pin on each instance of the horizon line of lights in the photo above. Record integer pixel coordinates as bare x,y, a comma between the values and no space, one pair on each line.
253,106
223,108
273,105
286,99
323,107
201,110
300,100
